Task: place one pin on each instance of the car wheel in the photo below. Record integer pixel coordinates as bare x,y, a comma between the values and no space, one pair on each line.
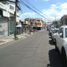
56,48
64,60
55,41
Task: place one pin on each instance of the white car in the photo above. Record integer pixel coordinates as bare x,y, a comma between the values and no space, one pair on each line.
54,33
61,42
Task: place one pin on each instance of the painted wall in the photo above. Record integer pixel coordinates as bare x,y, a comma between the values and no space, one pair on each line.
3,27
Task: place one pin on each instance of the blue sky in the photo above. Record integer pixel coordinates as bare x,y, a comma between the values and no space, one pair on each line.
51,9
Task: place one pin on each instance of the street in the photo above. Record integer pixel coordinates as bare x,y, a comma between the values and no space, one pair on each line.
34,51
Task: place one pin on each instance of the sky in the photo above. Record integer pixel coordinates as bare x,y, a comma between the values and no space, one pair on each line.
50,9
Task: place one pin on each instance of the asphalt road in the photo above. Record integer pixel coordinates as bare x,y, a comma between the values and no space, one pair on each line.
34,51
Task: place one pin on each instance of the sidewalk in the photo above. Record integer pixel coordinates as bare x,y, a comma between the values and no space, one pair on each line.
4,40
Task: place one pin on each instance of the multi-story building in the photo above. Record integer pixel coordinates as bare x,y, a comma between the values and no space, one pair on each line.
63,20
7,18
35,23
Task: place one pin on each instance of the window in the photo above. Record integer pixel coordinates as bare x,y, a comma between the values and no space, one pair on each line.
1,13
0,25
65,32
61,32
11,7
66,21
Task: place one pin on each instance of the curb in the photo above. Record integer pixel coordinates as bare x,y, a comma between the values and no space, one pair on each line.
7,40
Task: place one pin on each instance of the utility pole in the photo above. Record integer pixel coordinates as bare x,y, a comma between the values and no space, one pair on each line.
15,36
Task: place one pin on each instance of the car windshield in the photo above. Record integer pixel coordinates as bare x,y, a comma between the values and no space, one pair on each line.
65,32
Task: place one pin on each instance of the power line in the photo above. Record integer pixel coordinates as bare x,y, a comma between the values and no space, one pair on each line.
33,6
29,7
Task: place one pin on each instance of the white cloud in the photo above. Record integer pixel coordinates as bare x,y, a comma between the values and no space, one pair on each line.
42,0
64,6
28,15
56,11
50,13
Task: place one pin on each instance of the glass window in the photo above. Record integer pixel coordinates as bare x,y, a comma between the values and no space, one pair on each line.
66,21
61,32
1,13
65,32
11,7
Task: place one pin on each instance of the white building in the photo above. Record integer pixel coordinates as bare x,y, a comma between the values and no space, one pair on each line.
7,10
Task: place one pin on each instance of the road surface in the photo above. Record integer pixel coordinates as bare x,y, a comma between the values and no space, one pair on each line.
34,51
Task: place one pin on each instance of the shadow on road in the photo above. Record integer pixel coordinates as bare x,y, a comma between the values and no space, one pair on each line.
55,59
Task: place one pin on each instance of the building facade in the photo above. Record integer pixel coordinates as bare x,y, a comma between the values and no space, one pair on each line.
34,23
7,18
63,20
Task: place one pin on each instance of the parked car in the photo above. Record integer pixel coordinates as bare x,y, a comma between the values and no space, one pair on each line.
53,34
51,30
61,42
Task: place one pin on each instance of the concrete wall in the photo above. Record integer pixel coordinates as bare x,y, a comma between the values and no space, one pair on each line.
3,26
